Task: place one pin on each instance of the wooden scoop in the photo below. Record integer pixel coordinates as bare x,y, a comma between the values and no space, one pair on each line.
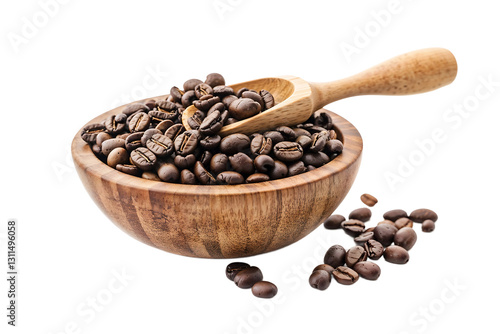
296,99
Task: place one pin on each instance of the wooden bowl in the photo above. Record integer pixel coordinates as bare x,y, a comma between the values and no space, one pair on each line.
220,221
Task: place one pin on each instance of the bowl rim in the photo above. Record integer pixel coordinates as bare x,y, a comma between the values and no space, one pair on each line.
86,160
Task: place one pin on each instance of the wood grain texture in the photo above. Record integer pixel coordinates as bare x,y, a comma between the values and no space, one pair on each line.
411,73
220,221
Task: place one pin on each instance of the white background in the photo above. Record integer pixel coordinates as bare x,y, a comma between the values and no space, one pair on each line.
90,56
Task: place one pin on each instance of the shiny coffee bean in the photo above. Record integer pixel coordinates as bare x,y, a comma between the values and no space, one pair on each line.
316,159
230,177
89,133
247,277
428,226
113,126
176,94
133,141
206,102
222,91
420,215
287,133
388,222
168,172
369,200
110,144
326,267
405,237
139,122
215,79
333,222
318,141
233,268
263,163
174,131
353,227
323,120
304,141
268,99
203,175
101,137
182,162
374,249
135,107
301,132
363,237
160,145
264,289
288,151
152,176
367,270
244,108
128,169
384,233
333,147
188,98
354,255
227,100
234,143
261,145
275,136
242,163
191,84
296,168
148,134
202,90
403,222
396,254
241,91
320,280
117,156
219,163
363,214
345,275
335,256
186,142
394,215
210,142
279,171
254,96
257,177
143,158
188,177
164,125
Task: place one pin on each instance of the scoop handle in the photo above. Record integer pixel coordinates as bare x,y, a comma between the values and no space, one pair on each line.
410,73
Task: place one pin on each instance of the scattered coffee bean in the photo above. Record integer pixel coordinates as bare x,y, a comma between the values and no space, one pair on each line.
333,222
403,222
369,200
264,289
320,279
396,254
394,215
362,214
364,237
247,277
428,225
384,233
405,237
388,222
335,256
353,227
420,215
325,267
345,275
233,268
367,270
374,249
354,255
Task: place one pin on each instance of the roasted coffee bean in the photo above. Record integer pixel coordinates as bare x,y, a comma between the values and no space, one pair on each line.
129,169
242,163
219,163
345,275
244,108
369,200
174,131
167,172
176,94
324,120
143,158
123,135
367,270
333,222
320,279
296,168
403,222
332,134
394,215
186,142
135,107
119,155
288,151
215,79
184,162
227,100
101,137
264,289
213,123
353,227
263,163
387,222
203,175
148,134
234,143
188,177
230,177
268,99
335,256
90,132
167,107
247,277
275,136
287,133
160,145
254,96
428,226
363,237
151,104
316,159
384,233
150,176
396,254
206,102
188,98
164,125
370,229
195,121
257,177
113,126
157,116
110,144
333,147
222,91
363,214
301,132
191,84
304,141
318,141
261,145
420,215
326,267
202,90
405,237
279,171
133,141
210,142
374,249
241,91
139,122
205,158
354,255
216,107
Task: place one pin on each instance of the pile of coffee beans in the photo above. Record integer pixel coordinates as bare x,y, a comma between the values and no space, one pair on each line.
246,277
392,238
148,139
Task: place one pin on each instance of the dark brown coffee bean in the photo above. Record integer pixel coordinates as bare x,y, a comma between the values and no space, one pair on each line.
394,215
384,233
157,116
129,169
188,98
168,172
353,227
113,126
151,104
213,123
301,132
279,171
215,79
174,131
367,270
206,102
320,279
176,94
227,100
335,256
203,175
205,158
304,141
268,99
264,289
275,136
288,151
388,222
316,159
219,163
222,91
143,158
324,120
164,125
403,222
119,155
363,214
244,108
257,177
247,277
160,145
354,255
254,96
110,144
363,237
210,142
234,143
148,134
374,249
296,168
123,135
428,226
191,84
101,137
420,215
188,177
263,163
186,142
230,177
326,267
333,222
139,122
90,132
202,90
396,254
287,133
370,229
345,275
261,145
318,141
242,163
405,237
133,141
369,200
332,134
184,162
135,107
150,176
